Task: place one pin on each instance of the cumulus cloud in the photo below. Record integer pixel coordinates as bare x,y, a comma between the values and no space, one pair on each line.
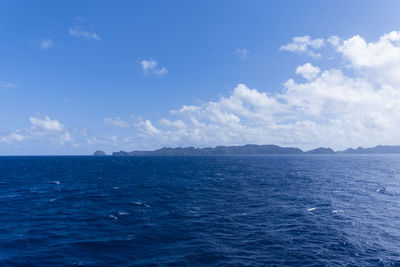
148,65
151,66
379,61
177,123
146,127
46,124
330,108
13,136
242,53
117,122
42,130
76,32
308,71
333,40
304,44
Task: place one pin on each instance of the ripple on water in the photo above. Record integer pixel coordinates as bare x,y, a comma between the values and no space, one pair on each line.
227,211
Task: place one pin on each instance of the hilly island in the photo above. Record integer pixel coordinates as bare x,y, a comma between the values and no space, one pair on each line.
251,149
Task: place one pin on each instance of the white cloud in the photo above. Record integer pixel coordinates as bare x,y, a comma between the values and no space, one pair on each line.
47,130
304,44
42,130
333,40
242,53
379,61
148,65
185,108
333,110
14,136
46,124
147,127
152,66
177,123
76,32
45,44
117,122
330,108
308,71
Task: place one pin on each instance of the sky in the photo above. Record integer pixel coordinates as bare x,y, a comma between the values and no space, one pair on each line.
77,76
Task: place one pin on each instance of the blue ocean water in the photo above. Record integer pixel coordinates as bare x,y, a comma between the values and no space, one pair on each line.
224,211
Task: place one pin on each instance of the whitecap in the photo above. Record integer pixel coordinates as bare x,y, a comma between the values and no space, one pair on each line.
311,209
55,182
114,217
381,190
337,211
122,213
8,196
141,204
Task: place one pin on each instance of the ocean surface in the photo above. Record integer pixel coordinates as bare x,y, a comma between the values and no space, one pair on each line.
308,210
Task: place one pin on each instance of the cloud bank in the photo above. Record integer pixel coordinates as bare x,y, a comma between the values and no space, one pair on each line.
43,130
328,107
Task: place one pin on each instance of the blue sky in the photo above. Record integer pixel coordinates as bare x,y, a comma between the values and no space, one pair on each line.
76,76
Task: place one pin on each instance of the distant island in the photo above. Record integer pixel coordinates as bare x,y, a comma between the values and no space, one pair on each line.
251,150
99,153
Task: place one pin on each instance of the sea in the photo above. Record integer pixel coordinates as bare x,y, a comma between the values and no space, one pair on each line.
261,210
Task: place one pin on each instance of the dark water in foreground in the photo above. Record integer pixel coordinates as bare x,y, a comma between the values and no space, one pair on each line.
255,210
